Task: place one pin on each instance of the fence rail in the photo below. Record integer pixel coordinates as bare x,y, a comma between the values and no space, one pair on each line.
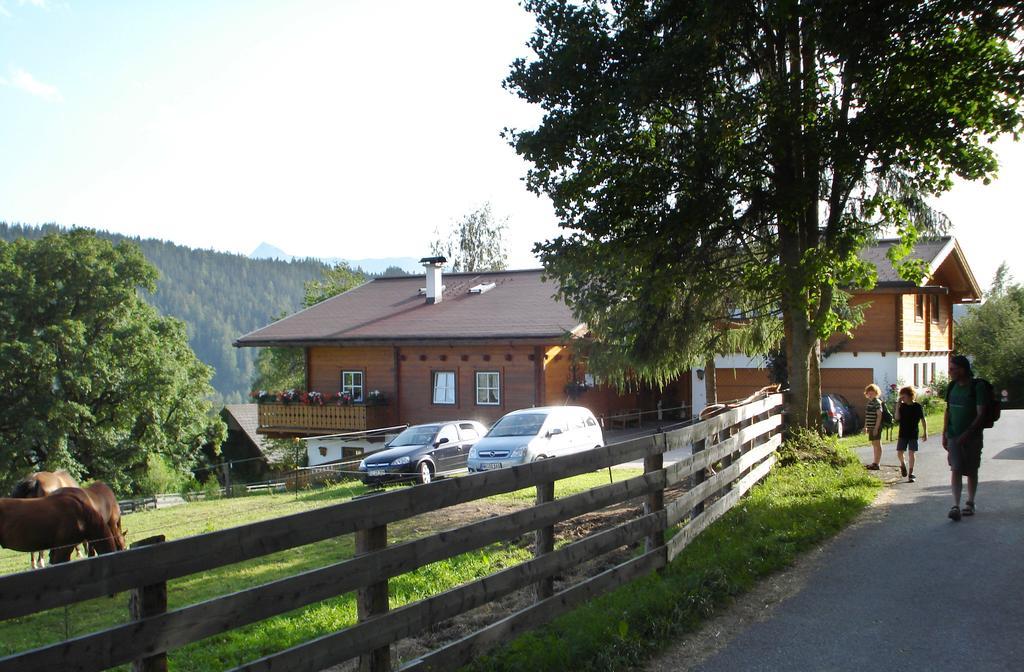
742,440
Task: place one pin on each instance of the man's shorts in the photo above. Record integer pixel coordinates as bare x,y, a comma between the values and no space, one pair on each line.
903,444
964,456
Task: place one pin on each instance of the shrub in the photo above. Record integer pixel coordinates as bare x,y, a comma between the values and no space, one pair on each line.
806,445
162,478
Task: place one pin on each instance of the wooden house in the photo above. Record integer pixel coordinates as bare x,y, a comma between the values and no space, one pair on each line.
905,339
414,349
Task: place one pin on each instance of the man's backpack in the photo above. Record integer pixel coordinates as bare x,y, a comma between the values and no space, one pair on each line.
886,415
992,402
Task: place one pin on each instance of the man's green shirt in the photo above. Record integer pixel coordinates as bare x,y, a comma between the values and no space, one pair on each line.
963,408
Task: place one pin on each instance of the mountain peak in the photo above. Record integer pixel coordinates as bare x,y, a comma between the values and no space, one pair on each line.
268,251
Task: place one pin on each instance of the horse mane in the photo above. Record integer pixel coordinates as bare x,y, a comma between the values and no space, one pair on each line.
26,487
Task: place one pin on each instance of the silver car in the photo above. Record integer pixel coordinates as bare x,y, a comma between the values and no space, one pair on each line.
535,434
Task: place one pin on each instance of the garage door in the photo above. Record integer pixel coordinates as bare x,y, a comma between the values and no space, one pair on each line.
740,383
848,382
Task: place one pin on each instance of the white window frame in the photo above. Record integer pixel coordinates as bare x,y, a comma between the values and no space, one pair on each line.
487,388
352,385
446,389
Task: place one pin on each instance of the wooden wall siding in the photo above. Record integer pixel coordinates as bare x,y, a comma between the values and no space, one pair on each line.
518,385
602,401
940,334
557,362
377,363
878,332
914,328
848,382
923,335
740,383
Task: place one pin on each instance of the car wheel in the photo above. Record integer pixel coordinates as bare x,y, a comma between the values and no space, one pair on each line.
426,472
839,428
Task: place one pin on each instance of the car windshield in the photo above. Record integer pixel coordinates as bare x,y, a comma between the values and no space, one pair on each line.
414,436
522,424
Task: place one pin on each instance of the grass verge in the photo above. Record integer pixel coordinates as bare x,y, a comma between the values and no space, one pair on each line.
794,509
934,421
274,634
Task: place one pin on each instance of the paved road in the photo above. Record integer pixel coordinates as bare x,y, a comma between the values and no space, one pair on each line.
911,590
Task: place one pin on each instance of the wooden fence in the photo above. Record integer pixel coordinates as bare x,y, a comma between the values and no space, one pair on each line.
739,442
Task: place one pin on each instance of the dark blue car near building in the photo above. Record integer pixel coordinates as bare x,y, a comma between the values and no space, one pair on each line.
838,415
423,452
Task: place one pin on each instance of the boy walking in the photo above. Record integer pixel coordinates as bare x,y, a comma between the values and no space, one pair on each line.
873,423
908,414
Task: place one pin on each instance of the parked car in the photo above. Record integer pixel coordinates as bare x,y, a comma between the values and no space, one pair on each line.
838,415
534,434
423,452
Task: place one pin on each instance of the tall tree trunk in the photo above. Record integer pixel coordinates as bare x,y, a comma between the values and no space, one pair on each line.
814,386
710,382
799,346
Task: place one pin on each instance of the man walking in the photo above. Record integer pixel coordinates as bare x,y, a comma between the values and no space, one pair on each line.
961,432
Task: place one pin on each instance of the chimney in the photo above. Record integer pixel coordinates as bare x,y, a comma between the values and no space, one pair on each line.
433,266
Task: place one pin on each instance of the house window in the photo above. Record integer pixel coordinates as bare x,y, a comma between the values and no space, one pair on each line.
932,378
488,391
352,383
444,387
934,301
917,375
918,307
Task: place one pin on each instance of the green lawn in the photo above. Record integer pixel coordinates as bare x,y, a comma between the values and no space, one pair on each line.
933,419
237,646
793,510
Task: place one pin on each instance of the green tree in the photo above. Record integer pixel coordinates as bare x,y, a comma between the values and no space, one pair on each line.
285,368
695,150
93,379
992,334
475,243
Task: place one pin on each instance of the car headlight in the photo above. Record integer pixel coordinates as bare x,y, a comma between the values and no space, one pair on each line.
518,452
362,465
400,461
472,452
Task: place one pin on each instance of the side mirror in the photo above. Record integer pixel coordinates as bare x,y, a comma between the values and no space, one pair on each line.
554,432
443,439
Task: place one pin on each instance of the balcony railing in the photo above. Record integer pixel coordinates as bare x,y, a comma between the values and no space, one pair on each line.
313,419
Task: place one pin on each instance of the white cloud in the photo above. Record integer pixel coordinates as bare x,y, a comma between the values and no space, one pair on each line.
22,79
41,4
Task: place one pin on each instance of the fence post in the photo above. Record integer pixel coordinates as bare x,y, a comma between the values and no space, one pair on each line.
655,500
372,600
148,601
698,477
545,540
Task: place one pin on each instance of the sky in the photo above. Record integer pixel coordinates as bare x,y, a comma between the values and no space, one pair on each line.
332,129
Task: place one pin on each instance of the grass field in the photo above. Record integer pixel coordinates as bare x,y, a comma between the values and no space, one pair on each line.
274,634
793,510
934,421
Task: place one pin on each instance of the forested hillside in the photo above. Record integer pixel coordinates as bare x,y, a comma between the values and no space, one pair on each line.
219,296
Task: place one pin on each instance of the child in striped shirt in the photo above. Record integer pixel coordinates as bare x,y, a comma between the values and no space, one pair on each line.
873,422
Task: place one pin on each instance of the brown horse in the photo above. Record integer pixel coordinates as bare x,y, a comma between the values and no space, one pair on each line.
103,500
58,522
41,484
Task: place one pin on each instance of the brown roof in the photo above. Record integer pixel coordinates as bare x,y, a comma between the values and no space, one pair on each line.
245,418
520,306
940,253
927,250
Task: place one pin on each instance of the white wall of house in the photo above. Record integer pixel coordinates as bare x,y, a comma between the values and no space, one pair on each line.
890,368
925,364
322,451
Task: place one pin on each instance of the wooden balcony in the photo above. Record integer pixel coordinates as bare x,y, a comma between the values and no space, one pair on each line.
277,419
